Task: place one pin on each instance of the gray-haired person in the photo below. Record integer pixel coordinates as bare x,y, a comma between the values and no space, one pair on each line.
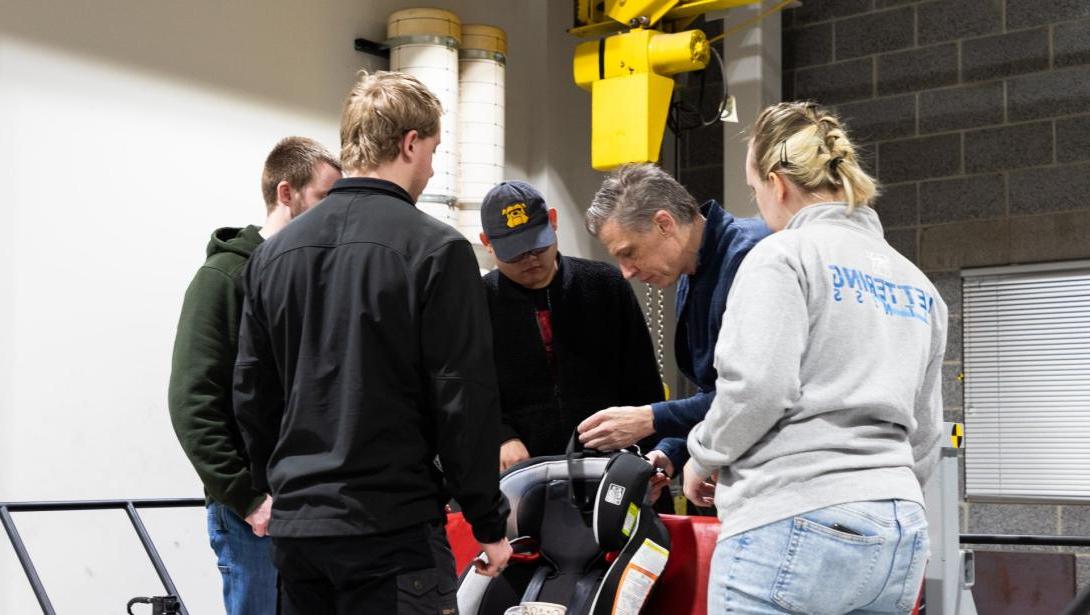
659,235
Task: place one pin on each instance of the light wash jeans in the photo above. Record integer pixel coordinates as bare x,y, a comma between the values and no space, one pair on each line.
861,557
245,562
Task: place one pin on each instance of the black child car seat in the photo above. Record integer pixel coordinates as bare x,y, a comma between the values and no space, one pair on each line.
584,537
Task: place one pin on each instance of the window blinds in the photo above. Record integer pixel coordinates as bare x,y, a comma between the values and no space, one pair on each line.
1027,382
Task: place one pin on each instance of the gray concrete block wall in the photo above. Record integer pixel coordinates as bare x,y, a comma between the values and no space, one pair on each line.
947,20
875,32
1071,43
975,116
1003,55
967,106
917,69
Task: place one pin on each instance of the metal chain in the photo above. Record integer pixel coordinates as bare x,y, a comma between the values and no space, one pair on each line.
653,317
661,328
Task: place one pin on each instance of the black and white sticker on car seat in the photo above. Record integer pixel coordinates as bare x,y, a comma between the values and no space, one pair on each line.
615,494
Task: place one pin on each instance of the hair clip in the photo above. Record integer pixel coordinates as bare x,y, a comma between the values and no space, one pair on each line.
835,162
783,153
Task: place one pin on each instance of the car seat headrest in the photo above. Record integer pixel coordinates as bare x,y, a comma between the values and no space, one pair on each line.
619,499
524,486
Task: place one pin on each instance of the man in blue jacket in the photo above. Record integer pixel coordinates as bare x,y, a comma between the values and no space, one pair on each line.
659,235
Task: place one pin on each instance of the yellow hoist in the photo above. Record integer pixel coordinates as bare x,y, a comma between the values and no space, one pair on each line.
628,70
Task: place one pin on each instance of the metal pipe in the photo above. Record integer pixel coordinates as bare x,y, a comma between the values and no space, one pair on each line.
153,554
24,559
101,504
1023,539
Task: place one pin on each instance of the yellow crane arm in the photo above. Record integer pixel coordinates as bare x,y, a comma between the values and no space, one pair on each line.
629,71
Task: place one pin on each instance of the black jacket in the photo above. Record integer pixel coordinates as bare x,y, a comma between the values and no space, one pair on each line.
603,354
364,353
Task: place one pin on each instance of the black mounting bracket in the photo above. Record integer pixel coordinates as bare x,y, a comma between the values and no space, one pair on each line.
372,48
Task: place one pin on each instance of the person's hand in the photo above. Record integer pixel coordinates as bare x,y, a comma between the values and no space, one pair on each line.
617,427
660,479
699,490
511,452
259,519
493,559
660,460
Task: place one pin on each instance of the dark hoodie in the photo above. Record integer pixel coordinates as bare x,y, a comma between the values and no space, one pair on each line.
202,370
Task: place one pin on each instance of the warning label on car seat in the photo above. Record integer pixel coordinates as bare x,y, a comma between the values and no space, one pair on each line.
639,575
630,519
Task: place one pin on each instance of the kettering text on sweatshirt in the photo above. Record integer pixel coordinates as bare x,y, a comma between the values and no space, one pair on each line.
829,368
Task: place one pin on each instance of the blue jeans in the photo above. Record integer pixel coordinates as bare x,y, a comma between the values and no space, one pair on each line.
245,561
861,557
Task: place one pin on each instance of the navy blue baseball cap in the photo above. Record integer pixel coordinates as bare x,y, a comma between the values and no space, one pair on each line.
515,220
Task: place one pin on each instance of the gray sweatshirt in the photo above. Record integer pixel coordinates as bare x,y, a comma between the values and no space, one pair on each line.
830,374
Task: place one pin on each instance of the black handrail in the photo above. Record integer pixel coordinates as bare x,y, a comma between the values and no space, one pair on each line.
129,506
100,504
1026,539
24,559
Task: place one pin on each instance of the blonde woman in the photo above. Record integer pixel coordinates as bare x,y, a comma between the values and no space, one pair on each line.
828,403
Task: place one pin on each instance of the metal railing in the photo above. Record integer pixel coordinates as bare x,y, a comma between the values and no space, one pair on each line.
1080,605
129,506
1036,540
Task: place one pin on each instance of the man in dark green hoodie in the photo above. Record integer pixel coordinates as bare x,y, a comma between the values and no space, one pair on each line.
297,174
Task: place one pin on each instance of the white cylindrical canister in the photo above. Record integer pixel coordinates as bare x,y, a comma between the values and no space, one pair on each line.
424,43
481,66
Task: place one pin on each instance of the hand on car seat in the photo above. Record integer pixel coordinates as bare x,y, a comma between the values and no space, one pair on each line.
660,479
493,559
617,427
511,452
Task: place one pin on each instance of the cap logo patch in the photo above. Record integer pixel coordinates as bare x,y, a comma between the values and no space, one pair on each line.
515,214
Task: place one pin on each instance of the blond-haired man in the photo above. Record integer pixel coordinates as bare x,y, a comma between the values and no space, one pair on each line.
298,172
365,356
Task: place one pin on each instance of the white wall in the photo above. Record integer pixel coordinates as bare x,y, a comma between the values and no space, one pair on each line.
128,131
